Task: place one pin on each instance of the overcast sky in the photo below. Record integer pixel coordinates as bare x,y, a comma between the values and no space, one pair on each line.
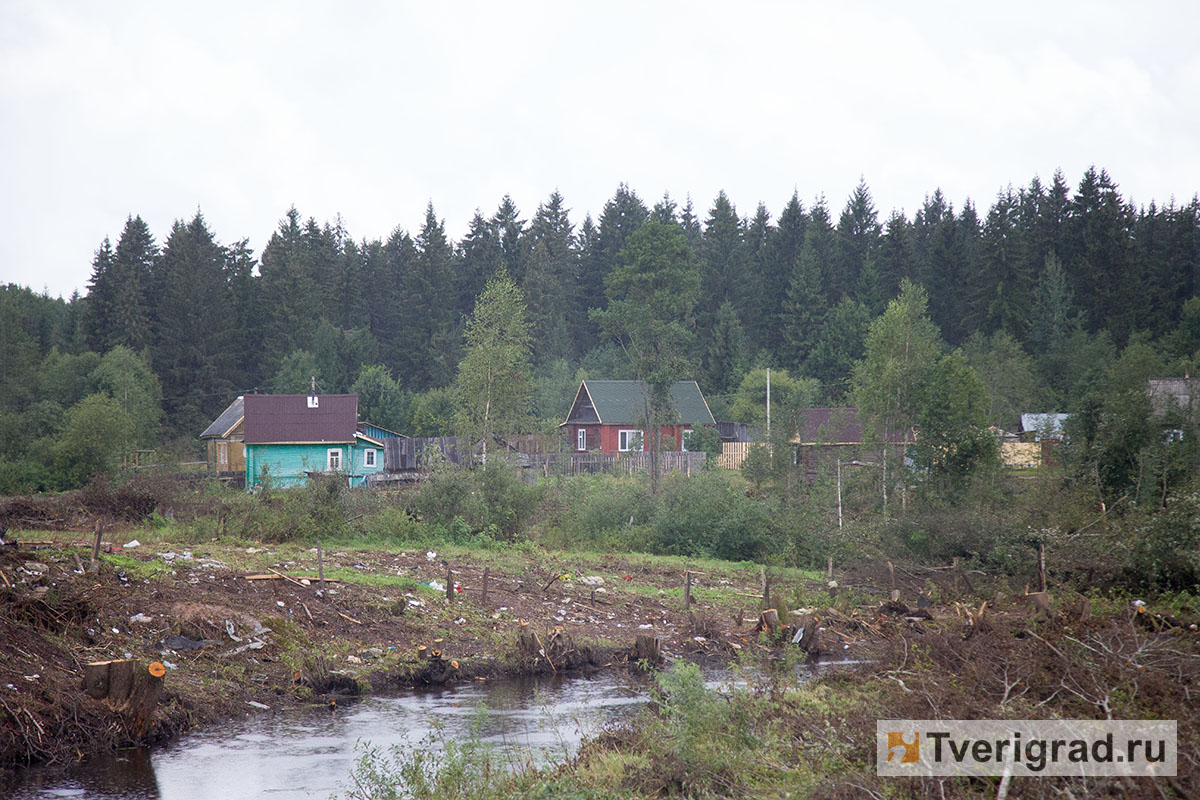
372,109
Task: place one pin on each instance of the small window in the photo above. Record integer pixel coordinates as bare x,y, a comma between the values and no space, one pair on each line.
581,439
629,440
685,441
369,458
314,401
223,453
334,459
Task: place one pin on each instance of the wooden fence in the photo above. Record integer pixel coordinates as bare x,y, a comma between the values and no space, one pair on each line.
615,463
733,454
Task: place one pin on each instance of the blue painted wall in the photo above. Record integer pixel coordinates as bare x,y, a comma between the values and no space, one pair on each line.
288,464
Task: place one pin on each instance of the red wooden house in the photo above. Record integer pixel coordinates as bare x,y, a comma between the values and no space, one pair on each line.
610,416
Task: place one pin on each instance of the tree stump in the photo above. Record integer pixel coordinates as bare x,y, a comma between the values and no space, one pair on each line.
126,685
648,648
769,620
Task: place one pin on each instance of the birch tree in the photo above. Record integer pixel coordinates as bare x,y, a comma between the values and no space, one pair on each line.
493,387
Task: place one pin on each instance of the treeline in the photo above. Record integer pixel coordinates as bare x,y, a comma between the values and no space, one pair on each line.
1042,290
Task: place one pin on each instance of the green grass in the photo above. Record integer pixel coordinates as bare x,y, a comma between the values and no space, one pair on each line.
135,567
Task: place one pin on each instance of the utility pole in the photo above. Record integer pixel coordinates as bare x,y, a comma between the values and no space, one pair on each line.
768,403
839,487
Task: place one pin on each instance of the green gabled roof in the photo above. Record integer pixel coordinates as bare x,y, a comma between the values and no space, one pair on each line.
623,403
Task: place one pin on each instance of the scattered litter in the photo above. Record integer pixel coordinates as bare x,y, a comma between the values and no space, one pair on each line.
430,555
32,677
140,618
460,620
169,665
36,567
132,543
305,582
116,630
281,604
558,618
251,549
229,630
415,602
354,659
436,585
799,635
645,627
503,608
699,639
255,645
257,704
592,580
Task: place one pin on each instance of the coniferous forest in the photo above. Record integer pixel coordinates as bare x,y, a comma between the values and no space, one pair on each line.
1044,290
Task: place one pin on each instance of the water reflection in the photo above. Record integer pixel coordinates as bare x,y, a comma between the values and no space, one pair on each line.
310,754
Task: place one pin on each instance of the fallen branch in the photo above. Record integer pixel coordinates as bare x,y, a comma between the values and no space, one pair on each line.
348,618
286,578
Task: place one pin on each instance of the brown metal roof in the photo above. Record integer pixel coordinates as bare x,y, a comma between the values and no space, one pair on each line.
279,418
836,426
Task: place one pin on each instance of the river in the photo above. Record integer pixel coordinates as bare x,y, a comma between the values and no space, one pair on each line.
310,753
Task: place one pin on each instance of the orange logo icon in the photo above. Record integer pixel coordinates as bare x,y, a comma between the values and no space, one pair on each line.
909,752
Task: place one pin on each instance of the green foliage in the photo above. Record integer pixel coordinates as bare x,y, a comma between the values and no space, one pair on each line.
1009,375
706,515
96,436
493,384
381,401
321,509
491,501
433,413
787,394
704,439
1118,444
296,373
652,295
128,380
1166,551
953,440
901,347
603,509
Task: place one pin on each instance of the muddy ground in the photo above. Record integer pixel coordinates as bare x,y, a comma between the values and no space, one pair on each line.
265,643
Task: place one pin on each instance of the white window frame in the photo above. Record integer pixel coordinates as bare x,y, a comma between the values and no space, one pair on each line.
333,459
683,437
370,457
223,453
623,437
581,439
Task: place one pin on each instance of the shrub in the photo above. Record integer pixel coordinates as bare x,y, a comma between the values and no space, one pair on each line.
705,515
1165,551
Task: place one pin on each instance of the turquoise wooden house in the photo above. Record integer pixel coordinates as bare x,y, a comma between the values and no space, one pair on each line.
292,437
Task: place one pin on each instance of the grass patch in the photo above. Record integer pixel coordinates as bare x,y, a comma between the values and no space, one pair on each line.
137,568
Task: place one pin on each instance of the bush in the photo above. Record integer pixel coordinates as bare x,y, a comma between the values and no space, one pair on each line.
1165,551
604,509
493,499
705,515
